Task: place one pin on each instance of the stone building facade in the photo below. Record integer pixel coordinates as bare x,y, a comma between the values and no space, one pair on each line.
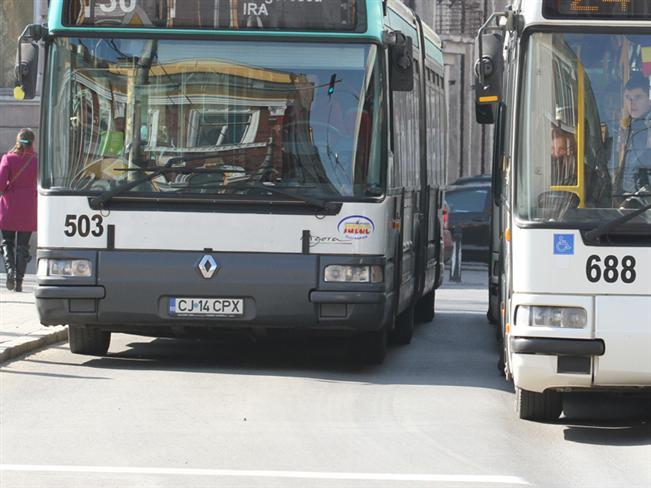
457,22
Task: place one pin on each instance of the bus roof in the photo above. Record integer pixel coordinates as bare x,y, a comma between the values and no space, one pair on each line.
532,12
372,29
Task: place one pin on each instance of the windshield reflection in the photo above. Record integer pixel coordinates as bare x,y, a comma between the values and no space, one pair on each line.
309,120
585,154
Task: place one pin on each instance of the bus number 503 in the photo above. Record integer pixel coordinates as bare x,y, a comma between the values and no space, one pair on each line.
84,225
610,270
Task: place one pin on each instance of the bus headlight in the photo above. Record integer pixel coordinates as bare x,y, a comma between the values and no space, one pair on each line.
564,317
339,273
65,267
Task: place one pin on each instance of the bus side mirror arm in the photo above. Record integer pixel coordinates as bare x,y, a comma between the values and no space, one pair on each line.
490,63
26,67
401,61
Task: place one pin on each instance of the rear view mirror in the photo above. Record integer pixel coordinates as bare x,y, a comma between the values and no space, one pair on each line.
488,83
26,68
401,59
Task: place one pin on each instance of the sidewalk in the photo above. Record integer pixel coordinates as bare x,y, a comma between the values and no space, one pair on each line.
20,330
473,276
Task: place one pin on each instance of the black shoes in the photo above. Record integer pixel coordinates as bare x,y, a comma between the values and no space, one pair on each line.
11,281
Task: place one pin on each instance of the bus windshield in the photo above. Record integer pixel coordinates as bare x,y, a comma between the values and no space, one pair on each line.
585,128
230,115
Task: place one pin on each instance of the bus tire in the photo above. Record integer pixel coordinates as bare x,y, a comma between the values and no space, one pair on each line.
403,330
492,317
372,346
88,341
531,405
425,307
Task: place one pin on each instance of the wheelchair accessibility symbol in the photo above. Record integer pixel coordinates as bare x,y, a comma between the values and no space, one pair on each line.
564,244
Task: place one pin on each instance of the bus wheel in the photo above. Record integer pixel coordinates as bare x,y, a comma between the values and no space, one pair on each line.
531,405
492,317
404,328
425,307
372,346
89,341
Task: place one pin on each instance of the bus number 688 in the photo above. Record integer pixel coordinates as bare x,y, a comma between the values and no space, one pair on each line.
610,270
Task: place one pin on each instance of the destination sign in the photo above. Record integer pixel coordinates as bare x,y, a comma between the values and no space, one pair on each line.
601,9
294,15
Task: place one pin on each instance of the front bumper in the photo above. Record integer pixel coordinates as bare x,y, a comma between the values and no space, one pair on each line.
541,363
611,352
557,347
132,292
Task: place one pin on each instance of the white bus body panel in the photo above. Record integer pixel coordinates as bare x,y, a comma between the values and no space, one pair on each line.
624,323
617,313
221,231
538,373
537,270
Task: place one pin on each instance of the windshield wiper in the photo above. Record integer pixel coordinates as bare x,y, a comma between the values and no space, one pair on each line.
612,224
316,202
169,167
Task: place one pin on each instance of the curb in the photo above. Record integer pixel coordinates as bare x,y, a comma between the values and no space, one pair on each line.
17,348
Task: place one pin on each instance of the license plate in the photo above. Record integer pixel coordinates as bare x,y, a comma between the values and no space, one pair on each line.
206,307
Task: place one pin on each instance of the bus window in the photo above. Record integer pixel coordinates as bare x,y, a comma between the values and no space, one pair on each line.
574,92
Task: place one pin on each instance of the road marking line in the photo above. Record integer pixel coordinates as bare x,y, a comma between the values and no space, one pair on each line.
442,478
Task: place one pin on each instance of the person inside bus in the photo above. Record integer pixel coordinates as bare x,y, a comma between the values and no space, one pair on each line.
554,204
635,139
563,154
564,170
301,163
112,141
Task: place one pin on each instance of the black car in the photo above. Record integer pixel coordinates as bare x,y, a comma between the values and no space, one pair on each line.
469,208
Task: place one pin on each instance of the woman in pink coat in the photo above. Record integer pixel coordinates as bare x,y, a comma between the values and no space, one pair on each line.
18,169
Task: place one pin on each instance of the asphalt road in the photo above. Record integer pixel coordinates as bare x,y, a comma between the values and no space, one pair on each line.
170,413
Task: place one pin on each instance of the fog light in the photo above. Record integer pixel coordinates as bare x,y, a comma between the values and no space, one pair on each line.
339,273
81,268
563,317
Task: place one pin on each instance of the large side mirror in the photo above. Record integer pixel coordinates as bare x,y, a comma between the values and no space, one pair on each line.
26,68
401,59
488,83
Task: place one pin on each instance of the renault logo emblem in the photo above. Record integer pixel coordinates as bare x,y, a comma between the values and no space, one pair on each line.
208,266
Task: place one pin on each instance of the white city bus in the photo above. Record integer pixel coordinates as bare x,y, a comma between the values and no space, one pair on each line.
567,85
206,168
